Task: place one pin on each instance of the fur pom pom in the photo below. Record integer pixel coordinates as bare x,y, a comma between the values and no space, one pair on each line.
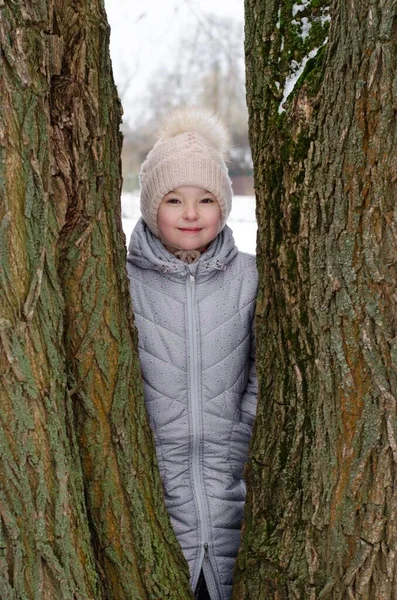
199,120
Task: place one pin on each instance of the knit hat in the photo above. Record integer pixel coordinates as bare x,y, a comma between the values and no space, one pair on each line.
191,151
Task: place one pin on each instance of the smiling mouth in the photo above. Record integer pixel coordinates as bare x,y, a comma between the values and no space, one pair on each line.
189,230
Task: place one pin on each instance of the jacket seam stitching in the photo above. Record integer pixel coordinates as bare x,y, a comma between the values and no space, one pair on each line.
233,315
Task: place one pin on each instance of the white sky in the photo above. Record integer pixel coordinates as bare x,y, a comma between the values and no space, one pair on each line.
144,36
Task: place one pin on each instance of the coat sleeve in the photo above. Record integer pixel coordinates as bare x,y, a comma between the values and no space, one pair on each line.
249,399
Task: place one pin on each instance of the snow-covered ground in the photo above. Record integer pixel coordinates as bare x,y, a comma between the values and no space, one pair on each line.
241,220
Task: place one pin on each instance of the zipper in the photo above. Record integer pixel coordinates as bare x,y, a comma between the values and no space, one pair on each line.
209,574
195,413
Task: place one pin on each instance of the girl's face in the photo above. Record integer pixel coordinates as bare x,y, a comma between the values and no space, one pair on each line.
189,218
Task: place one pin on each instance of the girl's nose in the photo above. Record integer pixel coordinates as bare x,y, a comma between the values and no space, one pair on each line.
191,212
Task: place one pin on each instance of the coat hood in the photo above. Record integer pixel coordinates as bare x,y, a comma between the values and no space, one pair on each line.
147,252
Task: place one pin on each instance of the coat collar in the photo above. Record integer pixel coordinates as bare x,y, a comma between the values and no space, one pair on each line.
147,252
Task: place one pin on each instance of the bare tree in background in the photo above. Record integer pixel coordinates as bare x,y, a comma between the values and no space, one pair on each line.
209,70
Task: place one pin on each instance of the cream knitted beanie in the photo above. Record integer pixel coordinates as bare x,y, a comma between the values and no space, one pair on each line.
191,151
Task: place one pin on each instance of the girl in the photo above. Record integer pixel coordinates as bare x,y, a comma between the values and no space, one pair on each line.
193,297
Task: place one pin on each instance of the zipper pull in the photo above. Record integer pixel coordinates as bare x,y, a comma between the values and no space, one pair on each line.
206,551
192,279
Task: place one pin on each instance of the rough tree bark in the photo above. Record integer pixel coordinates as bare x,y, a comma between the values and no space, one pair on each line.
321,518
81,511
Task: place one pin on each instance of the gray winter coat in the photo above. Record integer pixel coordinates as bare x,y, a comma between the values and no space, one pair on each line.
196,349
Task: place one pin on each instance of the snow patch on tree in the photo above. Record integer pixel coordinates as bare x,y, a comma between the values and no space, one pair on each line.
292,78
306,36
305,26
300,7
278,18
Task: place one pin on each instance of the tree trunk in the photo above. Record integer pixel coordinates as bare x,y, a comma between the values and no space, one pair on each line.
322,490
81,510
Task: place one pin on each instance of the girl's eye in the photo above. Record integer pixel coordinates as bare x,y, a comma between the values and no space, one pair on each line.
172,200
207,200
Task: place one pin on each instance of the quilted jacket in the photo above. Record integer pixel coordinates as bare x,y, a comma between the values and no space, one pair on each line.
196,349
